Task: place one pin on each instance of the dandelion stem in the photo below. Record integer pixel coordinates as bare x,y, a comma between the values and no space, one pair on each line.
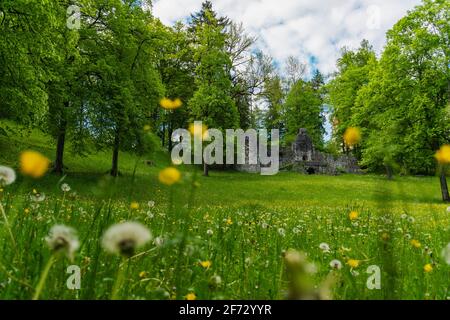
119,280
43,277
8,227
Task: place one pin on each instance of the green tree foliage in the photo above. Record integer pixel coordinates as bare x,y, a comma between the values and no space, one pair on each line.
123,44
303,109
404,107
24,42
212,102
353,73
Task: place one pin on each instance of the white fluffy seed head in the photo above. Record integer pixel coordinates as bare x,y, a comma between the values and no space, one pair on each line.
7,176
324,247
336,264
124,238
65,187
63,239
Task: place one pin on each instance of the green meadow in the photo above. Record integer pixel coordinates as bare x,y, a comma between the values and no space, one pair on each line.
223,236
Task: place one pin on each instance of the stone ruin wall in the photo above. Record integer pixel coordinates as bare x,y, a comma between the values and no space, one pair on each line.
304,158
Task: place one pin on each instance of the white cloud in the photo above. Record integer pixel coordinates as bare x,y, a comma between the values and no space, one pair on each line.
302,28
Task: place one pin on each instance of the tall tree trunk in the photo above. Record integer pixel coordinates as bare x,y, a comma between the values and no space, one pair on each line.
163,136
170,131
205,170
444,187
115,158
389,172
59,161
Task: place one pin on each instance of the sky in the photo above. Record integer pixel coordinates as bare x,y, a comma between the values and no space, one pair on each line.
312,30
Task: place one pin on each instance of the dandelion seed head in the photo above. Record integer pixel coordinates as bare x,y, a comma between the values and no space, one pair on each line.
63,239
65,187
7,176
324,247
124,238
336,264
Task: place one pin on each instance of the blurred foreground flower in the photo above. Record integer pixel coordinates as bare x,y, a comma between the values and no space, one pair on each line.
33,164
352,136
63,239
7,176
169,104
169,176
301,287
443,154
125,238
446,254
199,130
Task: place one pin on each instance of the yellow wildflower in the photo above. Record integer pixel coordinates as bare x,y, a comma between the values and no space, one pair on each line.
198,130
353,215
416,243
206,264
229,221
428,268
191,296
169,176
33,164
27,211
134,206
142,274
443,154
169,104
352,136
353,263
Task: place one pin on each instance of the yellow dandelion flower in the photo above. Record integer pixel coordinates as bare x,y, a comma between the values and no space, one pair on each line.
177,103
169,104
415,243
352,136
229,221
142,274
169,176
27,211
428,268
206,264
33,164
443,154
352,263
134,206
199,130
353,215
191,296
